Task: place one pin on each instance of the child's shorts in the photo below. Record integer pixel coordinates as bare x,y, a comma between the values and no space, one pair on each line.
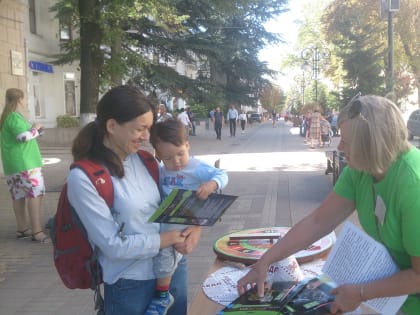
26,184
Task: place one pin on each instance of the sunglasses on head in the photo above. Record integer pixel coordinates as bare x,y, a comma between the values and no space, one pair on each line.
356,107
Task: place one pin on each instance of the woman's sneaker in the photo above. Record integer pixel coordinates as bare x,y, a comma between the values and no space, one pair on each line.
160,305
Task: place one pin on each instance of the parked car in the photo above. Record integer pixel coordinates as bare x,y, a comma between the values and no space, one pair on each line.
413,124
254,117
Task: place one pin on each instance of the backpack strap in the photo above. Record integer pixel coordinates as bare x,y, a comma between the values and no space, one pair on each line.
99,177
151,164
102,181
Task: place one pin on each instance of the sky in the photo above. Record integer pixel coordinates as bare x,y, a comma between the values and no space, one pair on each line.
286,27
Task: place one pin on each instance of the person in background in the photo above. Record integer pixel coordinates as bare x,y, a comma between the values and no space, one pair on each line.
232,116
179,170
218,122
243,119
325,128
125,241
315,128
381,182
191,117
162,113
274,117
183,117
334,128
210,118
307,128
22,165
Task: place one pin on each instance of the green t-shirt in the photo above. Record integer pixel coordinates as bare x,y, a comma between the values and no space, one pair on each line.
398,194
18,156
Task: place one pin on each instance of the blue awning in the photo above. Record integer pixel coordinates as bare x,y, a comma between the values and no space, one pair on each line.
40,66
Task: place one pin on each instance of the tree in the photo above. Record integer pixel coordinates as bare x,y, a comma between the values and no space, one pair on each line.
91,57
407,27
360,42
272,98
356,42
103,48
135,40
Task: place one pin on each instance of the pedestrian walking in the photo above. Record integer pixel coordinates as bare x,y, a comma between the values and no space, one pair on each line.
191,117
315,128
183,117
243,119
232,116
274,117
218,122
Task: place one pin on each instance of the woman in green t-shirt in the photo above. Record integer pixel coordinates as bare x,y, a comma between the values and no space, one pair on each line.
382,183
22,165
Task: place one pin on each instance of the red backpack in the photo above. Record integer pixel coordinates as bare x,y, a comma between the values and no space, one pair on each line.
74,258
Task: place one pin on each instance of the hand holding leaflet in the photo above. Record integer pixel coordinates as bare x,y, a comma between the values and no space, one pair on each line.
184,207
366,262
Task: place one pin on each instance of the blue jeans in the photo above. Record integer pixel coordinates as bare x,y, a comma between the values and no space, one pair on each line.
132,297
179,288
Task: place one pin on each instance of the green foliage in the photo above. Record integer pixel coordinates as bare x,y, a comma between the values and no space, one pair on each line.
138,38
272,98
199,110
360,41
67,121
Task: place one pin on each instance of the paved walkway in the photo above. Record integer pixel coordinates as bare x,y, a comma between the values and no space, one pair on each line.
276,176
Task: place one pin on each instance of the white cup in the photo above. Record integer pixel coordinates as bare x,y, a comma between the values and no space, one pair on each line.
285,270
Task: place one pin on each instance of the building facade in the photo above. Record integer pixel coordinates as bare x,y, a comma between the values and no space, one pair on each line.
30,39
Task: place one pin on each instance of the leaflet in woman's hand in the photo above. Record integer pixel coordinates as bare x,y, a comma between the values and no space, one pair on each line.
358,258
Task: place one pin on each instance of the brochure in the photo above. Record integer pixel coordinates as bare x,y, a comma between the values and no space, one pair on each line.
366,261
346,263
310,297
183,207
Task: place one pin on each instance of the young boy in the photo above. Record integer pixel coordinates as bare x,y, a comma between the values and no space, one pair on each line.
179,170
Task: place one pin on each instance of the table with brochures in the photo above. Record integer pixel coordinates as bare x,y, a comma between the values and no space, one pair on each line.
202,305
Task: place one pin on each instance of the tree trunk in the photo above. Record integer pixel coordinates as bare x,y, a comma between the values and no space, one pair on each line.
91,58
116,76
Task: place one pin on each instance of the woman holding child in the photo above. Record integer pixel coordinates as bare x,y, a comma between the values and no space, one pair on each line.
126,242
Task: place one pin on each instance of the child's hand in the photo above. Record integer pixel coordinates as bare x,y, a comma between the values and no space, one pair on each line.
206,189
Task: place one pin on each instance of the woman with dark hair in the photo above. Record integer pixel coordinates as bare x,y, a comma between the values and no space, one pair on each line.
127,243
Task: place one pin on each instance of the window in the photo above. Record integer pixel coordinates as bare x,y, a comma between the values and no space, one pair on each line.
32,17
70,94
65,29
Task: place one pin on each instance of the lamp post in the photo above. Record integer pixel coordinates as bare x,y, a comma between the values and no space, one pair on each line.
315,57
302,81
387,8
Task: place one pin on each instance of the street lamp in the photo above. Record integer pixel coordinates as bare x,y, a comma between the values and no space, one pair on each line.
315,57
302,81
387,8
